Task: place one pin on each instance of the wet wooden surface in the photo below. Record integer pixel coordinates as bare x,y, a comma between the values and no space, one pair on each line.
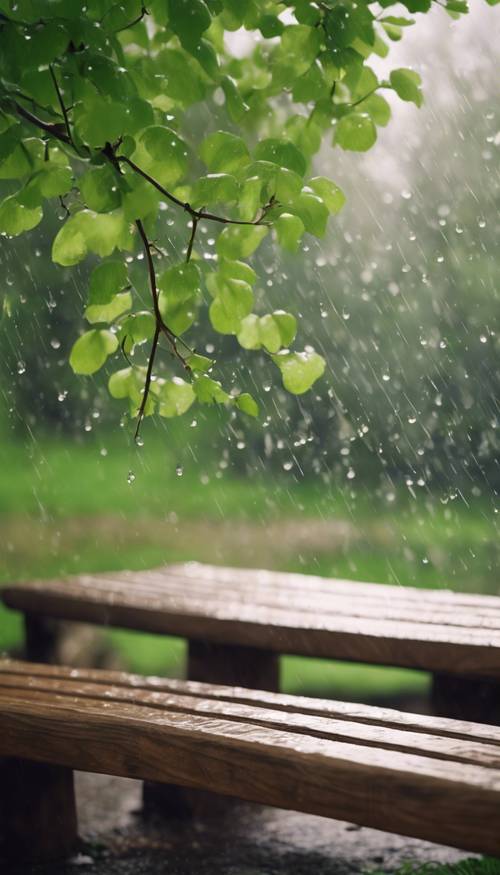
433,630
429,778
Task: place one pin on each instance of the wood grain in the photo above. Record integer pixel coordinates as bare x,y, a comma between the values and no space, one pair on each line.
433,630
426,784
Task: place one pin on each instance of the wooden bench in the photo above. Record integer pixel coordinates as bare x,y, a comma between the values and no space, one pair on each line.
238,621
430,778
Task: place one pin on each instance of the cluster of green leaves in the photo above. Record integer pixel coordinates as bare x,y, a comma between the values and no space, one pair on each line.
94,111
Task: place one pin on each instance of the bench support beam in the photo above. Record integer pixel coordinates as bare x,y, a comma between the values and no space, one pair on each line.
41,637
38,811
233,665
466,698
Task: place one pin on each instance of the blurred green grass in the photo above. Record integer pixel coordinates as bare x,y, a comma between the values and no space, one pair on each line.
65,507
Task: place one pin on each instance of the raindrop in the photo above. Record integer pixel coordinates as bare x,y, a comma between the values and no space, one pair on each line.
139,441
483,338
179,470
21,367
287,466
55,343
130,478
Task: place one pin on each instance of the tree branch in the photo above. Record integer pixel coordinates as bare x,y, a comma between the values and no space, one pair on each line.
195,214
191,239
160,323
147,381
61,104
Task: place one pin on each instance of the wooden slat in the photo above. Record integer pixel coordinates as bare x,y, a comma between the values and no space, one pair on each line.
434,630
411,793
334,710
375,606
470,751
430,647
289,580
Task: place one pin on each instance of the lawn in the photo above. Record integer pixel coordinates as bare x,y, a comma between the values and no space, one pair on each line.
68,506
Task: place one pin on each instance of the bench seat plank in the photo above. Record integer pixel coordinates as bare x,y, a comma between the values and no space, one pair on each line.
433,630
424,783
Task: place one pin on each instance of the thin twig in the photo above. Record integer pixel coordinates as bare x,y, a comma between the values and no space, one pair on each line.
195,214
139,18
147,381
55,130
61,103
191,239
160,324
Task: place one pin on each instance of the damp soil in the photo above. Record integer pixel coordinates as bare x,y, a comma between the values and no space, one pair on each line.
240,839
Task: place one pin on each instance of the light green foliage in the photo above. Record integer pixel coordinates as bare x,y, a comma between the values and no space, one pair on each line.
300,370
406,84
99,108
273,332
91,351
356,132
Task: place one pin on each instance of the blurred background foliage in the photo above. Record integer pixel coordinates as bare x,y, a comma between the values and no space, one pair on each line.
388,470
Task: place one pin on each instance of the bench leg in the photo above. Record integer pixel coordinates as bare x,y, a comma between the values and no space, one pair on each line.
230,665
233,665
41,634
38,812
474,699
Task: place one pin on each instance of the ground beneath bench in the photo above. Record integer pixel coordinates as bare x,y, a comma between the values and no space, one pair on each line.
249,840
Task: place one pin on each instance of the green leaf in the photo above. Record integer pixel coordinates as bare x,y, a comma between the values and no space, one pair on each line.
310,86
214,189
299,370
249,332
49,181
313,213
224,153
355,132
270,26
16,165
240,241
247,404
289,230
209,391
176,397
249,200
183,80
15,218
284,153
234,301
287,325
106,281
98,121
189,19
165,146
179,288
236,106
273,331
288,185
297,50
91,350
136,329
200,363
109,312
459,6
331,195
119,383
88,231
99,188
406,84
378,108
